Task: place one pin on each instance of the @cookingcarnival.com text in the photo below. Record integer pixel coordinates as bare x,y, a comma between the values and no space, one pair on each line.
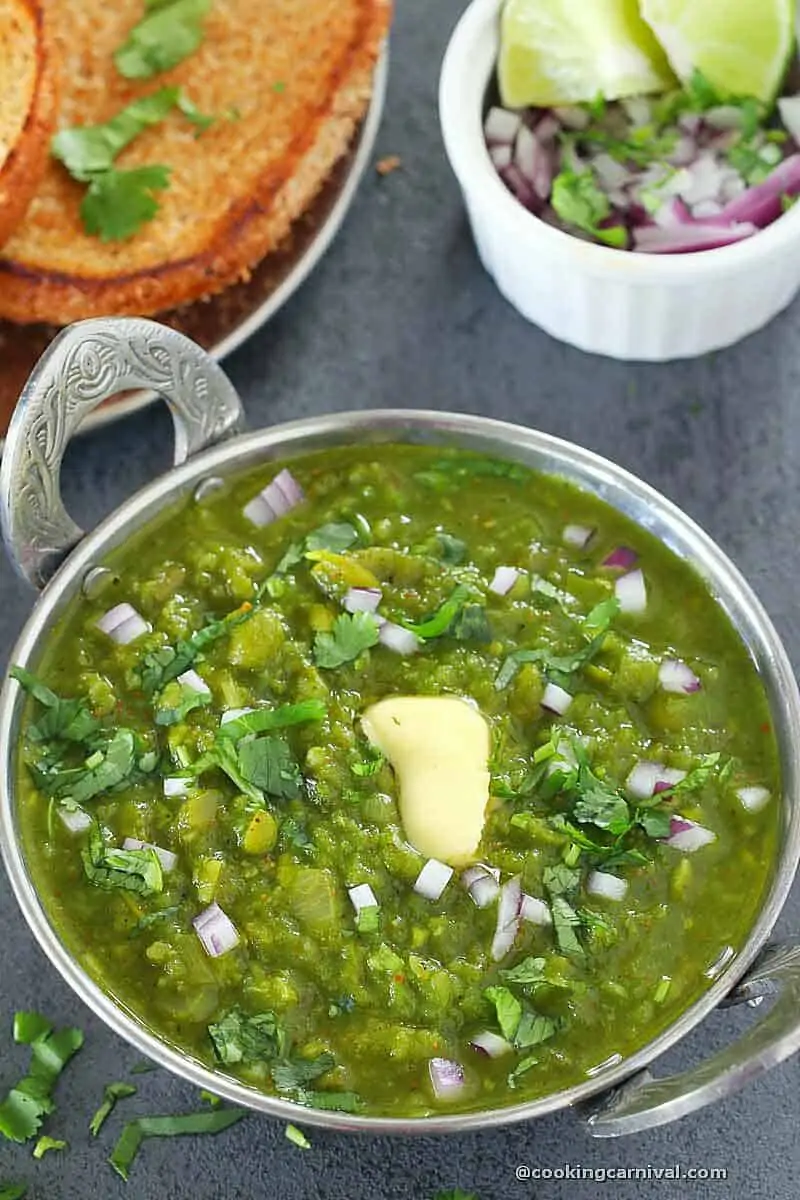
615,1174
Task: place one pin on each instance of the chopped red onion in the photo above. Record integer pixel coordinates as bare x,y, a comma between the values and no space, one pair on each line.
547,128
362,600
631,592
216,931
433,879
534,162
704,180
194,681
123,624
446,1077
639,110
75,819
165,857
723,116
362,896
684,152
232,714
690,238
507,918
578,536
572,117
789,109
691,123
490,1044
501,155
753,798
763,204
675,676
555,699
641,782
396,638
706,209
176,786
535,911
281,494
501,126
611,174
673,212
610,887
688,836
667,778
504,580
623,557
521,187
482,883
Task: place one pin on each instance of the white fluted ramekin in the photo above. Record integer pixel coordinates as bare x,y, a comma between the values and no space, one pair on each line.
625,305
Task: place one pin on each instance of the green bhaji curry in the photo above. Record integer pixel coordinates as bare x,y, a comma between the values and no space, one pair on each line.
414,783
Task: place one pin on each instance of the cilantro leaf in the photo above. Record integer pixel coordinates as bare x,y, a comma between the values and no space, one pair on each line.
443,618
292,1074
455,1194
118,203
13,1191
297,1137
89,151
349,1102
111,1094
160,666
596,624
697,778
560,880
30,1101
239,1038
529,972
521,1069
224,756
599,804
269,765
115,762
565,921
578,201
176,701
471,625
168,33
202,121
48,1143
508,1009
135,1132
63,719
106,867
452,550
371,762
534,1029
263,720
334,537
656,822
352,633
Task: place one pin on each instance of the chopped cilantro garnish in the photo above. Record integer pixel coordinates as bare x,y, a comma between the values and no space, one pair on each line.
168,33
269,765
471,625
533,1029
239,1038
695,779
45,1144
68,720
443,618
508,1009
335,538
111,1094
529,972
30,1101
176,701
203,121
135,1132
521,1069
349,1102
128,870
370,763
578,201
352,633
595,625
292,1074
452,550
117,203
565,922
158,667
88,151
264,720
297,1137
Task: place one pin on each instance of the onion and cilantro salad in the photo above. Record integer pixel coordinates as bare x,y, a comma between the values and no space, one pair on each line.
693,170
574,836
652,126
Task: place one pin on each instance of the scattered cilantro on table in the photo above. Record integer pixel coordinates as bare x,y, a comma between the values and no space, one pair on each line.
46,1144
30,1100
138,1130
297,1137
111,1094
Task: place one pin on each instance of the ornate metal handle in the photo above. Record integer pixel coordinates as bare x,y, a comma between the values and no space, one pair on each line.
84,365
644,1102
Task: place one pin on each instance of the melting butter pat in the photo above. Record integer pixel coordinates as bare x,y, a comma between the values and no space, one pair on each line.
439,748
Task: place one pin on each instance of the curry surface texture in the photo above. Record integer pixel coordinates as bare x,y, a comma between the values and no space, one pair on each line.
372,1003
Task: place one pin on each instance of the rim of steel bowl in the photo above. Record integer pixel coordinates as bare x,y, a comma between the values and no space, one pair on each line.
542,452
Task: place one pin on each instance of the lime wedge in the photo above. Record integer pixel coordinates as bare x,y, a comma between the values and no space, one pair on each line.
570,51
742,47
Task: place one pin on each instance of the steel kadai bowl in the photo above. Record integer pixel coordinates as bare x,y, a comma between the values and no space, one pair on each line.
95,359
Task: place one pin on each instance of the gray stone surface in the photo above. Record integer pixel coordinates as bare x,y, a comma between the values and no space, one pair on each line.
400,313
